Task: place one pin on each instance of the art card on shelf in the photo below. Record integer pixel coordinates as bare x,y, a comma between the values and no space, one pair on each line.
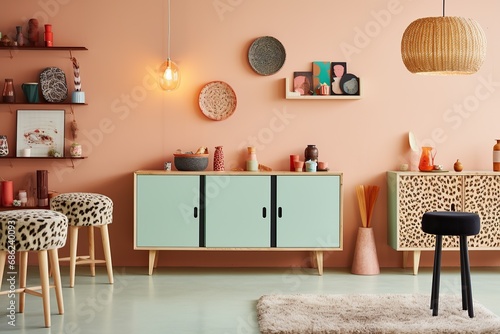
338,69
321,75
41,131
302,83
349,84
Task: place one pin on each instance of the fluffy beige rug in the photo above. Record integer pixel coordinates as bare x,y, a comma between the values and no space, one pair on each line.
380,314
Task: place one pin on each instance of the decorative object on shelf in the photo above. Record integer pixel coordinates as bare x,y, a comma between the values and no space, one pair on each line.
30,90
324,89
426,163
365,260
302,83
5,40
26,152
33,34
53,85
9,93
496,156
298,165
19,36
349,84
217,100
4,146
48,36
190,162
293,158
42,187
311,153
23,197
77,96
322,166
40,130
443,45
169,73
457,166
218,159
75,150
266,55
7,192
321,75
338,69
311,166
252,163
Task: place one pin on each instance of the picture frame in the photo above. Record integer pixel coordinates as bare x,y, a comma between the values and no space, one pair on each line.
338,70
40,131
302,83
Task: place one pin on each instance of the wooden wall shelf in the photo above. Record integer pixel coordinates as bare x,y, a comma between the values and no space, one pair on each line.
290,96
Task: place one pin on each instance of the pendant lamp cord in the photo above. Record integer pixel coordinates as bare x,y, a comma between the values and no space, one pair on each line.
168,42
443,8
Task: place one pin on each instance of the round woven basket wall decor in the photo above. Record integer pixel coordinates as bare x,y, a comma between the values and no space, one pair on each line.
266,55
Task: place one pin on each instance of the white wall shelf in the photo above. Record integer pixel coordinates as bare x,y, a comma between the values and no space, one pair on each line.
290,96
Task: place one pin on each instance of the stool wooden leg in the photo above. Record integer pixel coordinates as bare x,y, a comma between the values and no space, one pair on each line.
107,251
91,251
73,245
44,280
436,276
54,263
466,268
23,271
3,257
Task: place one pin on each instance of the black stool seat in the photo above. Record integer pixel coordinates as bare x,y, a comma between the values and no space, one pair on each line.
460,224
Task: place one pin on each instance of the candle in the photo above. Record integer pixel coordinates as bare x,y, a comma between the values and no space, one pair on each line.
7,193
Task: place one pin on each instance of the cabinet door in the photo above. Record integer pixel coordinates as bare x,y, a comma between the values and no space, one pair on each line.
482,195
308,210
410,196
237,211
167,211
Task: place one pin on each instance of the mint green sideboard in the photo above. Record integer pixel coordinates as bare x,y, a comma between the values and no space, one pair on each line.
236,211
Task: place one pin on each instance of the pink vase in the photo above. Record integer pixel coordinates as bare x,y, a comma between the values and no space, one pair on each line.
365,261
218,159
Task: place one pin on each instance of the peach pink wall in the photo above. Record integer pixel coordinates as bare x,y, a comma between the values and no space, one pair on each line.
130,124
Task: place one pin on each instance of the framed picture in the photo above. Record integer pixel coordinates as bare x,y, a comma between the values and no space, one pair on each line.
41,131
302,83
337,71
321,75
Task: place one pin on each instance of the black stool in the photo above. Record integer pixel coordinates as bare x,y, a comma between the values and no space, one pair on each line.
461,224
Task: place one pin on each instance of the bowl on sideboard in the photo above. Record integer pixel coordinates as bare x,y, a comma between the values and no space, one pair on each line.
191,162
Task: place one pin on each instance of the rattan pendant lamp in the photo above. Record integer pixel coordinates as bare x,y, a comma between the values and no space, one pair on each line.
170,75
443,45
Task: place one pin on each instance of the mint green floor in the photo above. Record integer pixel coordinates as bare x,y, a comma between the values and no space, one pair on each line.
218,301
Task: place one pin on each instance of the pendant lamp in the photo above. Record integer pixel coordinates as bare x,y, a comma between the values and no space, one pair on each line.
169,73
443,45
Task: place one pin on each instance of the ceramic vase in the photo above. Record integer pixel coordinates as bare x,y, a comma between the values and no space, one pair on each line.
19,36
9,94
48,36
4,146
218,159
426,162
311,153
365,261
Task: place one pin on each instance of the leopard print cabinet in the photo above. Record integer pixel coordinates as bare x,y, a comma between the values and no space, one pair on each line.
411,194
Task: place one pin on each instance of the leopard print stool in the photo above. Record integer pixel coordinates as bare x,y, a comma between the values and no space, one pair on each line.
87,210
41,231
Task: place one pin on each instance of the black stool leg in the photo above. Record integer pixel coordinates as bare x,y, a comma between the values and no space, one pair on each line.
465,268
436,275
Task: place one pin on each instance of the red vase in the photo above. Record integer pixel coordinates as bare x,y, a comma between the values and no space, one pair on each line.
218,159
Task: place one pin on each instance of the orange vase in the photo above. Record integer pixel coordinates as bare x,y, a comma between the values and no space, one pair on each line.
496,156
426,163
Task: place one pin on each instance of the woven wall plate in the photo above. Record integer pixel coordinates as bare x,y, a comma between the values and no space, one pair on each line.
53,85
217,100
266,55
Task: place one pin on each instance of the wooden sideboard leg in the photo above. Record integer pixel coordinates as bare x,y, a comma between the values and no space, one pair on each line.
318,255
152,260
416,261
